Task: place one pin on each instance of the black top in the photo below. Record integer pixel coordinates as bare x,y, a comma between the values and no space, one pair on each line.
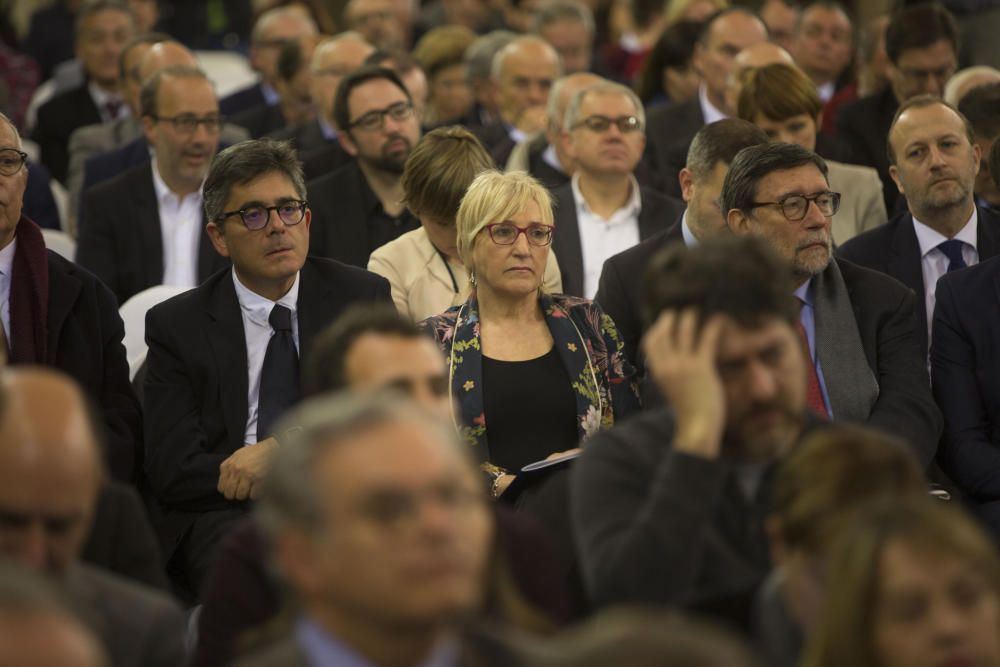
530,410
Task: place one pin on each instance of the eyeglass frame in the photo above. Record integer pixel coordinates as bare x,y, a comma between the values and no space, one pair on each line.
21,154
810,199
212,125
520,230
617,121
301,203
405,107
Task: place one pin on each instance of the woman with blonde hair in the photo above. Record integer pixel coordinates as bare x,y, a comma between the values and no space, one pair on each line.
914,584
531,373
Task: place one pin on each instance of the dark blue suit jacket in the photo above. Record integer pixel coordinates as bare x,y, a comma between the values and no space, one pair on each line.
965,372
242,100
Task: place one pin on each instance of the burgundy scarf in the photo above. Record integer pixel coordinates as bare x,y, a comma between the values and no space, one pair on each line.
29,296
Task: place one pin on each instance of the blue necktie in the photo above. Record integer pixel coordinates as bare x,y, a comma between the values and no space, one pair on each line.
952,249
279,376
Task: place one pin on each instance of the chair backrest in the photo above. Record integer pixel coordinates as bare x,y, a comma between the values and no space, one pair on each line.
133,313
229,71
60,243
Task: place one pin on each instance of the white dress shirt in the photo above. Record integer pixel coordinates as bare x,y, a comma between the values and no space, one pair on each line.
825,91
601,238
709,111
101,97
551,158
934,263
6,269
180,228
690,240
256,312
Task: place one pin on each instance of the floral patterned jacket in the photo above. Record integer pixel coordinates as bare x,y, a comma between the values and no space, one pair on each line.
588,344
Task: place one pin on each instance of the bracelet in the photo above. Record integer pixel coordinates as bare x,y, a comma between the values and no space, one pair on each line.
495,489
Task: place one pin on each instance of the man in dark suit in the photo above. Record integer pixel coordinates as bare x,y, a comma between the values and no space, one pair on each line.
273,29
922,44
866,365
672,127
604,210
224,358
387,597
359,208
50,479
103,27
934,160
146,227
60,315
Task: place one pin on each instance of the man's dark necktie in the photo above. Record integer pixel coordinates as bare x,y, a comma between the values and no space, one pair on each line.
112,107
952,249
279,376
814,393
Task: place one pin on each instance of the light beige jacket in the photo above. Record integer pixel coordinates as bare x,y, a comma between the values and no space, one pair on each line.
420,282
861,204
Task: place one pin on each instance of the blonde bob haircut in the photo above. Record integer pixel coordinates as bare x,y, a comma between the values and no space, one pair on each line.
495,197
850,612
778,92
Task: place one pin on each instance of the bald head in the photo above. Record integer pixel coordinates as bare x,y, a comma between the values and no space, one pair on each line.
523,73
562,92
50,469
163,55
332,60
752,57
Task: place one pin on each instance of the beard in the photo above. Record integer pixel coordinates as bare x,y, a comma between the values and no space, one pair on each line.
764,432
810,263
941,198
393,161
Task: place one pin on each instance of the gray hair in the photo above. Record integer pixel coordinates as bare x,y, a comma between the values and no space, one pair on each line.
13,128
752,164
562,10
479,56
149,96
244,162
496,68
719,142
608,88
290,495
91,7
260,27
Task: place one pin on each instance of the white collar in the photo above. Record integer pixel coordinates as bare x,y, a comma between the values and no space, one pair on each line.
163,190
709,111
102,97
7,258
258,308
929,238
632,207
551,158
825,91
690,240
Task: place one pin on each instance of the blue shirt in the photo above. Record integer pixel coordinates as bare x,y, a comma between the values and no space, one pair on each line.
807,316
324,650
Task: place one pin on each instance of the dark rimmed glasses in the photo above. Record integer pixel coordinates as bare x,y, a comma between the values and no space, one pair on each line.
794,207
187,123
599,123
11,161
257,216
506,233
375,120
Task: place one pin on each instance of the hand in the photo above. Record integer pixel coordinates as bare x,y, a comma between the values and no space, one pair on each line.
240,475
532,120
682,363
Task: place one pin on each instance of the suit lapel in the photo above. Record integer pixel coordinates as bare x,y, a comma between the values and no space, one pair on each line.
150,231
229,350
566,243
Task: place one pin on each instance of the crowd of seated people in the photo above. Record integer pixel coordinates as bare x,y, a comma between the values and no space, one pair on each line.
520,333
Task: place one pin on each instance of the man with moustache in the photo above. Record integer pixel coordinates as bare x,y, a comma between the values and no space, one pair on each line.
358,208
146,227
866,365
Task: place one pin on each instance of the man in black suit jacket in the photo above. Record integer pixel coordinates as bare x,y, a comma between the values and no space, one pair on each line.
211,389
620,291
672,127
146,227
358,207
922,44
603,210
934,162
102,30
866,363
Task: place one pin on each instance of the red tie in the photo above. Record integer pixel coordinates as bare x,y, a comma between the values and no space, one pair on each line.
814,394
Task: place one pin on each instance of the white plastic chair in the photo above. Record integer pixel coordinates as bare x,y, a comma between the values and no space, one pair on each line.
133,313
229,71
60,243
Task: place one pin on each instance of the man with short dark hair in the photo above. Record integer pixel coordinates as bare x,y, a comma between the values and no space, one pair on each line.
359,207
781,18
223,358
713,148
921,42
568,26
864,358
103,27
603,209
934,160
146,227
669,507
823,45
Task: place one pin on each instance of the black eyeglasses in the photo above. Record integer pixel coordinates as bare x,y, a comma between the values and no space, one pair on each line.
256,217
11,161
187,123
375,120
598,123
794,207
506,233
